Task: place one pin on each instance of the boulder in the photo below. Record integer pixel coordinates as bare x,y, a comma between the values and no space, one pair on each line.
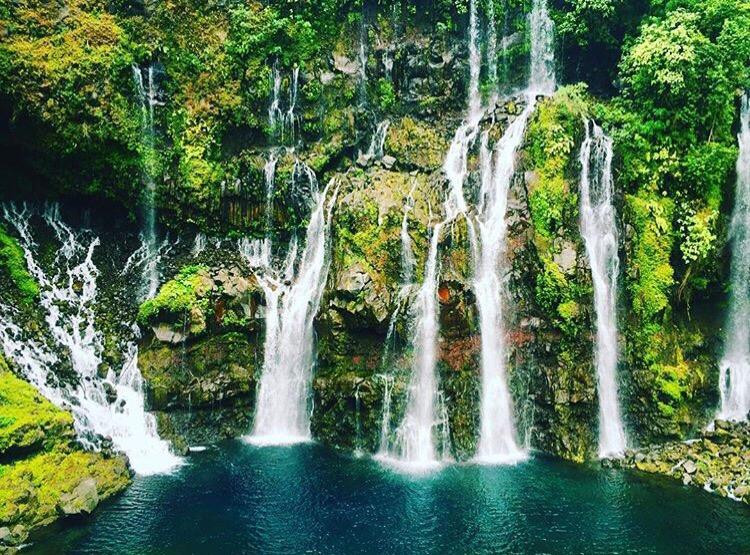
82,500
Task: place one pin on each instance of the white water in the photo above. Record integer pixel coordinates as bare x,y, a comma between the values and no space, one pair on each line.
377,144
68,298
275,115
283,124
416,435
408,263
282,414
735,364
148,96
599,232
270,175
542,30
497,438
416,447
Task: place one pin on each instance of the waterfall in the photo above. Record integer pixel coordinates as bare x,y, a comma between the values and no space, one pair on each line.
497,438
270,175
362,55
282,412
112,406
407,277
416,434
497,441
542,31
599,232
492,51
377,144
290,119
385,423
149,98
274,111
734,379
283,124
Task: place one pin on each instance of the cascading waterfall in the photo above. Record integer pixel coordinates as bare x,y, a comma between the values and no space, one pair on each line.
275,114
542,30
416,434
284,123
290,119
149,98
599,232
408,263
68,298
377,144
416,445
497,438
282,413
734,378
497,441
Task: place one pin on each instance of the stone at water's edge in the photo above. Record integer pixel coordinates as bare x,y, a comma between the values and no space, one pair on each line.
717,461
82,500
45,474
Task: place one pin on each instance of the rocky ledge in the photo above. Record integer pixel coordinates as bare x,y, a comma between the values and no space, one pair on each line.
718,461
44,473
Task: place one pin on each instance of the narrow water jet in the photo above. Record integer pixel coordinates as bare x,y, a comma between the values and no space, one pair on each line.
599,232
149,97
734,379
408,263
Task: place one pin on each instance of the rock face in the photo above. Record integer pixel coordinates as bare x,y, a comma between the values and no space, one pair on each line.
45,473
717,461
210,364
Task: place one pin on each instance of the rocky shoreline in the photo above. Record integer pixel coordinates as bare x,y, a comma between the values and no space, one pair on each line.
718,461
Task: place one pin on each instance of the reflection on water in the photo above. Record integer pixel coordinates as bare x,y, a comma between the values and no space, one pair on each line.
237,498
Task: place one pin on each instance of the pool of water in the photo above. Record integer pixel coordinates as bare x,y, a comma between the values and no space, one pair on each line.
236,498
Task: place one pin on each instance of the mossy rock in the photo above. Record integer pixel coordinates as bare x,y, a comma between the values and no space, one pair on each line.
44,474
217,370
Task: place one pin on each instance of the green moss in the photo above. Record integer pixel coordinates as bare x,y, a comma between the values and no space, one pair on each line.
649,272
12,261
28,422
415,144
176,299
31,489
40,460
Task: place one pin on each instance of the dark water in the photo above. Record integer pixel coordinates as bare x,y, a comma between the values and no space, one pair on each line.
241,499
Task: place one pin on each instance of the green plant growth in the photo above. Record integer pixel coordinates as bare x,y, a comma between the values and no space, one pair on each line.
13,263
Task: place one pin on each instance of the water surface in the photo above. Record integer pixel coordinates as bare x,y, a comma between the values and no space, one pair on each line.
237,498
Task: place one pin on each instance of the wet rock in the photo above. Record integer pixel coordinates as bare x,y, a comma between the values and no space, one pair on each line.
344,65
110,392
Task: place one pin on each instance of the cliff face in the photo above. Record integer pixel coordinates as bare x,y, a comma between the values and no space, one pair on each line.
225,109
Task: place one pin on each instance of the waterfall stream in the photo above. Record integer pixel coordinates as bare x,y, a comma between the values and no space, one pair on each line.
110,406
407,278
497,441
734,379
149,97
282,412
599,232
497,438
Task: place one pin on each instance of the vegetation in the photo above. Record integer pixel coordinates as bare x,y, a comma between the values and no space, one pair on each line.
41,464
13,264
